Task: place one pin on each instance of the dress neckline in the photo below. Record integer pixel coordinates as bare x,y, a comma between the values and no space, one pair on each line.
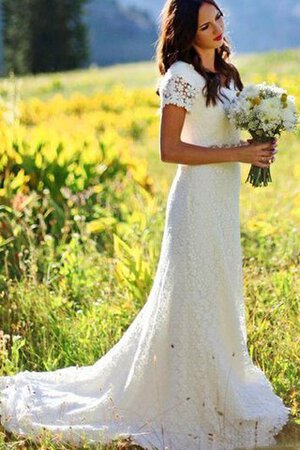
222,87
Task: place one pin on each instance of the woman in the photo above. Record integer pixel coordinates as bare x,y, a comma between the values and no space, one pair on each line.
180,378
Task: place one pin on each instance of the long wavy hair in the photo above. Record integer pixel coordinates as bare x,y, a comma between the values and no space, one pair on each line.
179,24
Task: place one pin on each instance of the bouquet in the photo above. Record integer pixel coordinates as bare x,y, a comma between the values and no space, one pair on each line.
264,111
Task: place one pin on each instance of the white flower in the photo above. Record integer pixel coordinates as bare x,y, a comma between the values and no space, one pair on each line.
251,90
270,109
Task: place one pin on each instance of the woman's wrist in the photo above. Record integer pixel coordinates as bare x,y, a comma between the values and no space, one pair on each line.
233,151
237,149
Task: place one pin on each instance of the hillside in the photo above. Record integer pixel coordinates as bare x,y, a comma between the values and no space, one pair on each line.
118,33
138,75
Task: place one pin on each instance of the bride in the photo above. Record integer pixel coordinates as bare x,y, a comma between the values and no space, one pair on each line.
180,377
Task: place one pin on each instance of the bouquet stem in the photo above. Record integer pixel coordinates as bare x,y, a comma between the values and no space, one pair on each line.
259,176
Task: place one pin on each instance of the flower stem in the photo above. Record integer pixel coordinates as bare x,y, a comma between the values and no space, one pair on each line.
259,176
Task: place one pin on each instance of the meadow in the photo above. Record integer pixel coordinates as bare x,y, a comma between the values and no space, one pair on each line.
82,203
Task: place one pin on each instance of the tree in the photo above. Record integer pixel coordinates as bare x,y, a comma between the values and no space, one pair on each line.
16,36
43,35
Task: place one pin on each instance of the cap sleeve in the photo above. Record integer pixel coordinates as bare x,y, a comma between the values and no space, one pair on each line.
180,85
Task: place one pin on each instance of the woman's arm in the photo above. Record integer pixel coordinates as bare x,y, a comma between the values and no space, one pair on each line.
173,150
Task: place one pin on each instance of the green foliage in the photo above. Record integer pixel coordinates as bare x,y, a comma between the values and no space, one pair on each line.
39,38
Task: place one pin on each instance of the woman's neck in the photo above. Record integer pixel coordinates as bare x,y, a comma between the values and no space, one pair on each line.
208,58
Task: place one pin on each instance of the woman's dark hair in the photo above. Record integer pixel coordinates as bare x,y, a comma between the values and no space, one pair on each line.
178,29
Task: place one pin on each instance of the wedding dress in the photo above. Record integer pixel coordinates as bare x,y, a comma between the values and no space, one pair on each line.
180,377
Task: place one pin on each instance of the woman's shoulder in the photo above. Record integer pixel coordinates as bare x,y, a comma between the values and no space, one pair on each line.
180,85
187,72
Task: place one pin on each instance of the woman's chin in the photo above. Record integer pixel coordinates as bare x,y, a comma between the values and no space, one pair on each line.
219,43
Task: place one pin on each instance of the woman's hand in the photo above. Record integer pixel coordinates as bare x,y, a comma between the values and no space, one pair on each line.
258,154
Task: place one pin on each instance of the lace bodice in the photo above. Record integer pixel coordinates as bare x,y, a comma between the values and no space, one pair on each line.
204,125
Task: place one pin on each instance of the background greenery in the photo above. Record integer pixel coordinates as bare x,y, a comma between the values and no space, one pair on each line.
82,203
42,36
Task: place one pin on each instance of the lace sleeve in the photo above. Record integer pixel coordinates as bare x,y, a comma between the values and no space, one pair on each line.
179,92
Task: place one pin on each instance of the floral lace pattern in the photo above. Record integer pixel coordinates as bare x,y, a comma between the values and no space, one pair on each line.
181,377
179,92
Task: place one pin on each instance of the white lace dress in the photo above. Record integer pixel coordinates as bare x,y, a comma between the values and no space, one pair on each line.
180,378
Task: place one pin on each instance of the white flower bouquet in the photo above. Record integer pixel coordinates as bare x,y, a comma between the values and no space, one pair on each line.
264,111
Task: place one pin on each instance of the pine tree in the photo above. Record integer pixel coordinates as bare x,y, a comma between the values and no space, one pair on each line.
16,36
43,35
